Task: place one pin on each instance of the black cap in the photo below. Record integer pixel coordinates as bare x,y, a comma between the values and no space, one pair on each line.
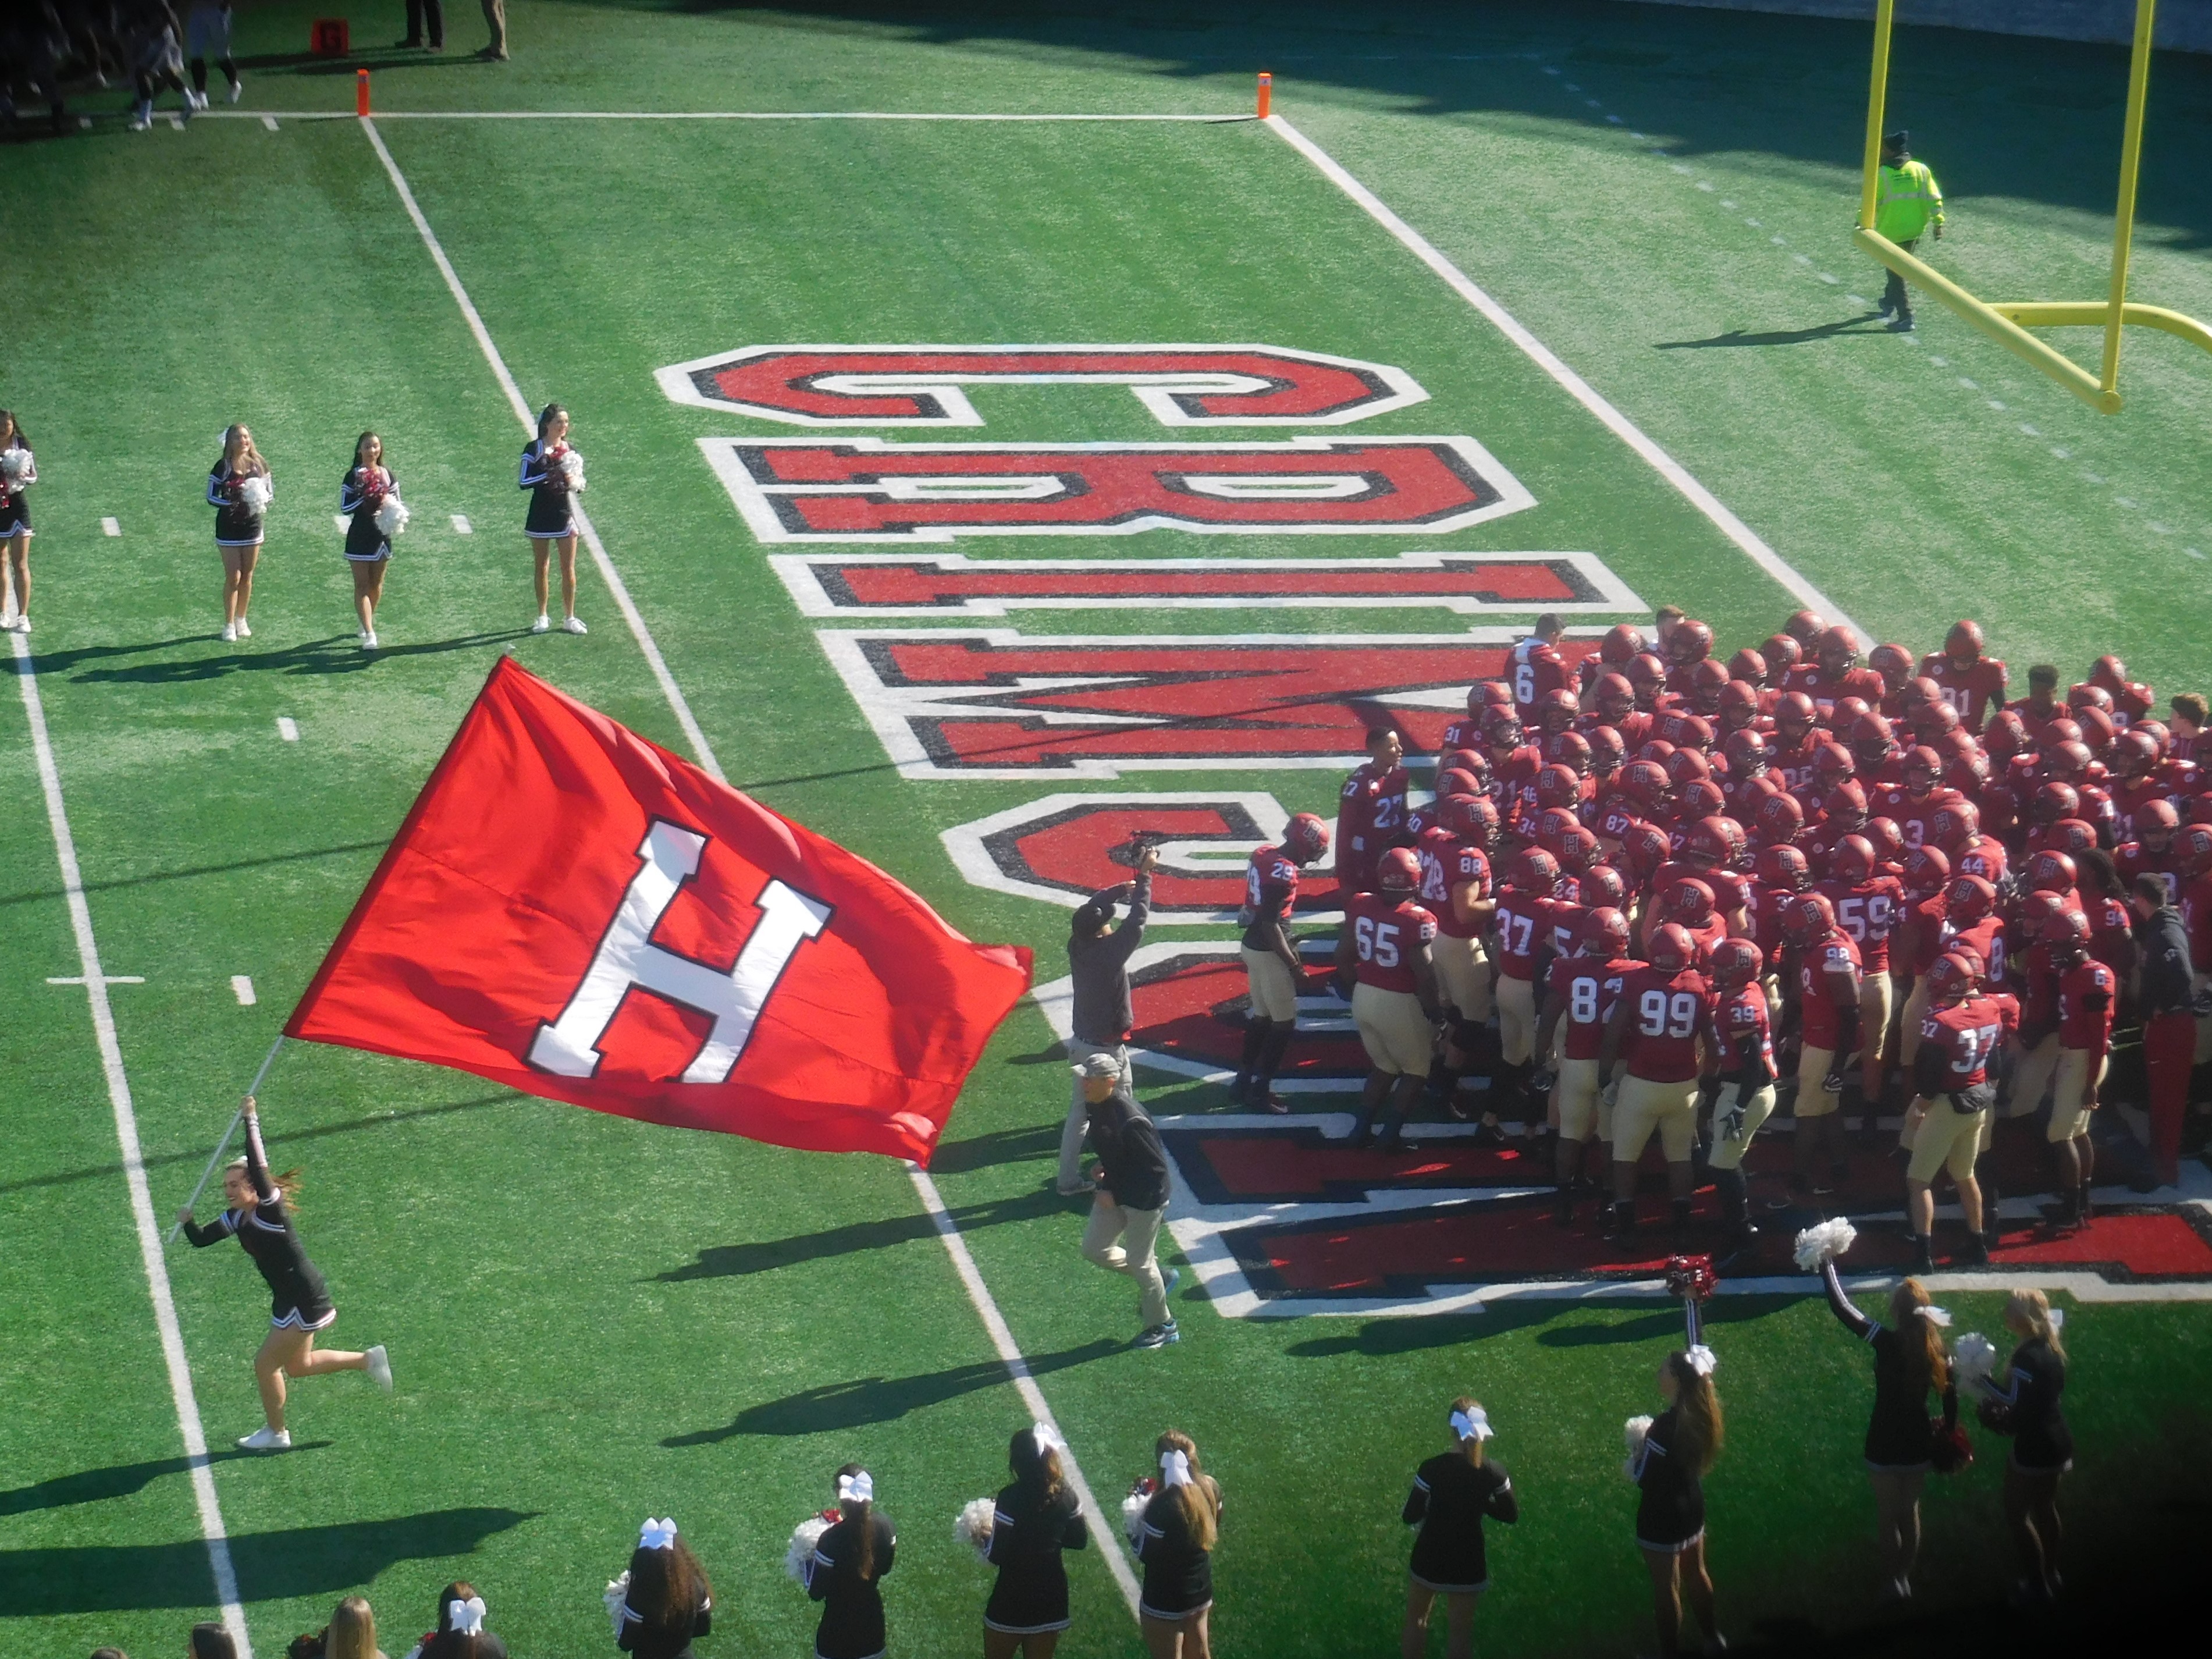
1900,139
1093,915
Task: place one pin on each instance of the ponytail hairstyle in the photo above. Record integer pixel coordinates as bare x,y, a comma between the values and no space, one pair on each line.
249,462
1468,1410
2032,1309
352,1634
546,417
449,1642
212,1641
287,1185
1201,1497
861,1510
667,1586
1921,1339
1696,1415
16,435
1034,1458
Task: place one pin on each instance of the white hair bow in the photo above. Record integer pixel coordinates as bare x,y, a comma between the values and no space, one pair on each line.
1939,1317
1471,1424
1175,1469
1047,1438
1703,1360
657,1534
856,1488
467,1617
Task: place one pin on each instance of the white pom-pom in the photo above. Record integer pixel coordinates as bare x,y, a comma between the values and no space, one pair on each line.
1132,1514
14,462
972,1526
572,468
1973,1359
254,492
1632,1431
807,1535
391,516
617,1592
1823,1242
2057,1317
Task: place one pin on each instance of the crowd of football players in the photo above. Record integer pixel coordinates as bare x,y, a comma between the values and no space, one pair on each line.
1646,871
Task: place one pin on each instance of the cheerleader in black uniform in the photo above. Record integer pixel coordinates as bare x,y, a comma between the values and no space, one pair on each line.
667,1600
1900,1440
239,509
1452,1493
1669,1466
1182,1524
848,1563
260,1214
2023,1402
1036,1518
18,472
552,521
361,494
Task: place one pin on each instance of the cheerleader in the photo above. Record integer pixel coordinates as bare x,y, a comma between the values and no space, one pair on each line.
848,1563
240,502
361,496
1452,1493
211,1641
460,1633
2025,1406
260,1215
1668,1464
1036,1518
18,472
1901,1440
667,1601
552,521
1181,1523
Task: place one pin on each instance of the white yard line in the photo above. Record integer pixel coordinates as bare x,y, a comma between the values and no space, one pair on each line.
134,1166
1580,390
986,1307
699,115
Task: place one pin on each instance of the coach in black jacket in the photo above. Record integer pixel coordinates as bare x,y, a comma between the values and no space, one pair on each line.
2168,999
1101,1018
1132,1197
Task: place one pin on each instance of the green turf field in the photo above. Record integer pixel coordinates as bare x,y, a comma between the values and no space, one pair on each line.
593,1319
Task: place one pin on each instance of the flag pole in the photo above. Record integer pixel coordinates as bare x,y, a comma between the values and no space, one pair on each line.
223,1146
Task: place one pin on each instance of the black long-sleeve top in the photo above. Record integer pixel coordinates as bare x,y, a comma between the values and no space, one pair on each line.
1670,1512
1099,968
1898,1435
1178,1573
2024,1404
1449,1500
1133,1162
267,1234
2168,983
852,1625
665,1641
1029,1535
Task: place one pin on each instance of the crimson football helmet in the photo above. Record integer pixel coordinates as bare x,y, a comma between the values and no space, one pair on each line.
1305,838
1535,871
1689,641
1604,932
1807,918
1893,663
1927,871
1782,869
1968,900
1852,859
1620,643
1952,977
1671,949
1398,870
1964,642
1737,963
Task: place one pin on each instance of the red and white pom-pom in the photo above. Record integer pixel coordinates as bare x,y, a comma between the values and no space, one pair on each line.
1824,1241
804,1538
1973,1357
255,492
1132,1512
571,463
1632,1431
14,462
972,1526
615,1595
391,516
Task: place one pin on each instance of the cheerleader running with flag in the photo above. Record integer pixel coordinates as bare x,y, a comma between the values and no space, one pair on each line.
260,1215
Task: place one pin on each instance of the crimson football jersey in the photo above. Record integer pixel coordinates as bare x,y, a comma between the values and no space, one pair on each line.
1522,923
1667,1014
1972,693
2087,996
1868,911
1742,1032
1861,682
1583,990
1817,1013
1446,862
1965,1035
1532,669
1389,934
1370,818
1911,816
1271,887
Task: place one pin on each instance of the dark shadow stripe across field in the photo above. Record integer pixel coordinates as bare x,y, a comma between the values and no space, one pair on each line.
233,866
864,1401
336,655
324,1560
117,1480
764,1256
1864,322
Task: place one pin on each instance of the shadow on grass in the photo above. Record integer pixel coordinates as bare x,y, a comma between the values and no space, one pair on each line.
1002,1146
340,654
869,1400
117,1481
203,870
1867,323
736,1261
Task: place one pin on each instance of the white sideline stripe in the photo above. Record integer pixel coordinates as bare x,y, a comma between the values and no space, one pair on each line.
1106,1523
110,527
604,565
1573,384
462,527
288,728
986,1307
134,1164
701,115
241,987
105,979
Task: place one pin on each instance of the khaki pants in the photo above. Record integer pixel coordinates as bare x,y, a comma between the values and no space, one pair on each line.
1733,1127
1394,1030
1644,1106
1516,1020
2032,1076
1463,973
1812,1066
2069,1115
1946,1139
1876,1007
1915,1010
1580,1102
1274,991
1078,1111
1137,1231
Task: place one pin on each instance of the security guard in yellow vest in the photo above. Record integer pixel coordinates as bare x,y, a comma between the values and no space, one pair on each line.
1907,201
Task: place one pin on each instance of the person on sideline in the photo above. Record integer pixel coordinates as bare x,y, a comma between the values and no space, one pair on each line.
1669,1466
210,1641
552,521
1382,965
1101,1019
1744,1044
460,1633
1036,1518
239,490
351,1634
847,1569
2088,991
495,12
667,1601
2024,1405
1953,1097
1370,810
368,548
1660,1027
1182,1524
422,13
260,1215
1452,1493
19,470
1907,203
1131,1195
2166,999
1273,972
207,34
1909,1364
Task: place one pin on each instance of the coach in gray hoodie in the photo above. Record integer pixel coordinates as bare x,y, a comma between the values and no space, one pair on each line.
1099,966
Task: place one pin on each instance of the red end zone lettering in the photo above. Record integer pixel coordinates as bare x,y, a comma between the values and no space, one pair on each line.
950,704
863,490
953,584
1181,386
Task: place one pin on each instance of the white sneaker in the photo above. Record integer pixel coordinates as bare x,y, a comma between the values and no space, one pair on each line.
380,1368
265,1438
7,622
22,624
230,632
368,641
244,632
574,625
142,122
236,87
543,624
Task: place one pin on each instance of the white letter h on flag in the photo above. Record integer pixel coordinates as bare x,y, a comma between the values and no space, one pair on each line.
627,956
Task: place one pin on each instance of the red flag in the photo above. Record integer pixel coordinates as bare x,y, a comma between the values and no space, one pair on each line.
577,913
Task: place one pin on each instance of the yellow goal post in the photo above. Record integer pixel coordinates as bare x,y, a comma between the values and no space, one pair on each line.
2008,322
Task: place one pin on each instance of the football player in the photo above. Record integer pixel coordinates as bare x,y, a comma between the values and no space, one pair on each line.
1579,995
1521,927
1370,810
1959,1037
1835,673
1273,972
1744,1059
1829,998
1660,1030
1383,961
1534,667
1868,904
1454,854
2087,994
1970,683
